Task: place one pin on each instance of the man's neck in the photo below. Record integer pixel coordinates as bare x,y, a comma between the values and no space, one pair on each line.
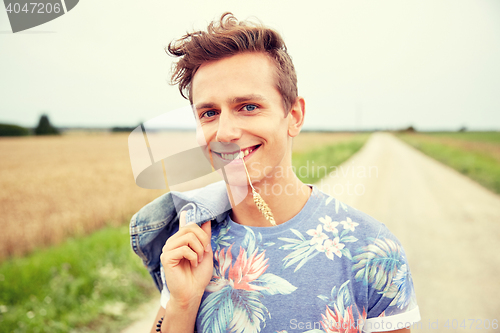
285,198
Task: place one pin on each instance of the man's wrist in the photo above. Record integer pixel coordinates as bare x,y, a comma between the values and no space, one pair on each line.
184,305
180,316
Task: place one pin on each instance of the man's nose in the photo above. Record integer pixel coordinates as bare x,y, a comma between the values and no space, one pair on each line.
228,127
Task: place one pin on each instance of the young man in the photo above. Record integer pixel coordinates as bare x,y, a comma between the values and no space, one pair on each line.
324,267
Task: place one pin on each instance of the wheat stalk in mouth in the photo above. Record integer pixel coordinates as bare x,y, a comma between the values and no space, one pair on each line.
259,202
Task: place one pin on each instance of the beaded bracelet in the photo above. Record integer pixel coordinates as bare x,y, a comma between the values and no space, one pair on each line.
158,326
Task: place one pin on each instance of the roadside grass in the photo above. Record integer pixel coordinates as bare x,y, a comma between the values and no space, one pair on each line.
86,284
311,166
473,154
492,137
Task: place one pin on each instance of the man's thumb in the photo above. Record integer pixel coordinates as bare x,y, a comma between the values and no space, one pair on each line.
207,227
182,219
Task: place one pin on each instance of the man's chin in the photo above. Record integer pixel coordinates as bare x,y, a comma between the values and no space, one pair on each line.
234,177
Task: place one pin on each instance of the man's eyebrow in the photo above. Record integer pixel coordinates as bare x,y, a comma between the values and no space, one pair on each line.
205,106
252,97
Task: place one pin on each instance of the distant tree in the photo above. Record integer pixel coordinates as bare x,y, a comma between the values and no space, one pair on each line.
13,130
410,129
123,129
462,129
45,127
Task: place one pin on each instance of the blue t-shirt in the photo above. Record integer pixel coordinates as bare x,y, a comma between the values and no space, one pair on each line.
331,268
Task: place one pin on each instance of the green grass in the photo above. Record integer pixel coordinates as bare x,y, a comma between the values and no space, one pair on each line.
87,284
492,137
478,165
313,165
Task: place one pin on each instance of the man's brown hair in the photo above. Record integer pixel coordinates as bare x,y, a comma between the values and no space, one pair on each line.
226,38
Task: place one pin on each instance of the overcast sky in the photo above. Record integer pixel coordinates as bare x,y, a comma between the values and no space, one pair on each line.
360,64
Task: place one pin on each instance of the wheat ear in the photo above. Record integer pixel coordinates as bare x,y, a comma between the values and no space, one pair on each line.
259,202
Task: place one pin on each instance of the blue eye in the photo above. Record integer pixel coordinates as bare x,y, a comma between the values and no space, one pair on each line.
250,107
208,113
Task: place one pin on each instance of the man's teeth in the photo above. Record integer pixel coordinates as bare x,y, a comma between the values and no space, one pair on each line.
241,154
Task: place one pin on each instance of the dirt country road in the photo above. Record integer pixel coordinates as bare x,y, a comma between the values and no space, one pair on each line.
448,225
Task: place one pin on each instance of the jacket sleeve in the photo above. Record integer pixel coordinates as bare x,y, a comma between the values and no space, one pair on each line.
150,228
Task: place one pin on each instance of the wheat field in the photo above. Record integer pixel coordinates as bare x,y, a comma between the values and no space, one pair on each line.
56,187
53,187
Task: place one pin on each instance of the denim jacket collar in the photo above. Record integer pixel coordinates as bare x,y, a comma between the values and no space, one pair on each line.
151,226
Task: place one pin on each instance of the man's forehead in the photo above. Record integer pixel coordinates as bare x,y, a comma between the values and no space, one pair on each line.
239,75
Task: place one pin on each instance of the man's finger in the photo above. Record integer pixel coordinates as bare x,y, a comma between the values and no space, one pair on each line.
207,227
182,219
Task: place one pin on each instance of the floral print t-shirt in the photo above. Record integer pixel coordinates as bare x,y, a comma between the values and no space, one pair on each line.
331,268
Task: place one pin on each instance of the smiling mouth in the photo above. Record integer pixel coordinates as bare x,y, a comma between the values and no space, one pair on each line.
236,155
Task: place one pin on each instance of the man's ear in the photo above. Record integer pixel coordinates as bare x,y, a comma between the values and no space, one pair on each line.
296,117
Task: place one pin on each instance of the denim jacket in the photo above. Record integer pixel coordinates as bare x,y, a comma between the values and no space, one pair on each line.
153,224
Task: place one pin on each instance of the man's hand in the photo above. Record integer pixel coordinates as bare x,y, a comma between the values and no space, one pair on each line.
187,260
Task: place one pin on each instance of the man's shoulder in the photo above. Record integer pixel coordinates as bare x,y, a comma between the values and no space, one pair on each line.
154,223
156,208
347,217
210,200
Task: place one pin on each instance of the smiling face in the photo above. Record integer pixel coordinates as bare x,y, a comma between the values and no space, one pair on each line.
238,107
